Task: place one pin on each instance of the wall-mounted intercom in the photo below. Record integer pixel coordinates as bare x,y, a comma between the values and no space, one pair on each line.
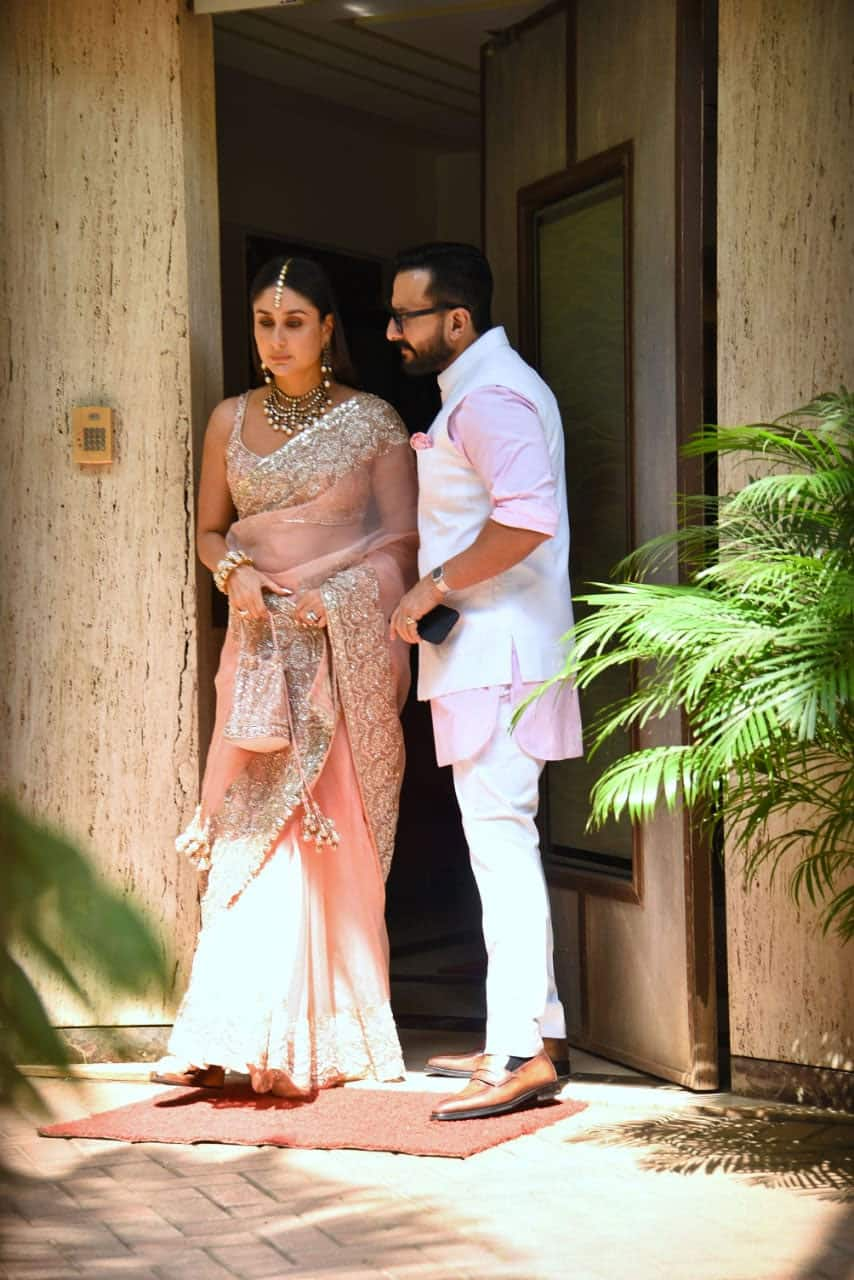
92,434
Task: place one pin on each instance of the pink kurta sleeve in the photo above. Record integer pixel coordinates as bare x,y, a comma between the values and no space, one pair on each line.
499,432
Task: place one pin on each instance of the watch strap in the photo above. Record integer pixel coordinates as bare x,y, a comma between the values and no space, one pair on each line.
438,577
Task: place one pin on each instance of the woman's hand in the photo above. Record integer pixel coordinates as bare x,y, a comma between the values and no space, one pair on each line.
311,611
245,587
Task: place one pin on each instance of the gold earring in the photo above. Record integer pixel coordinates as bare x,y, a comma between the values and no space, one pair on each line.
326,367
268,377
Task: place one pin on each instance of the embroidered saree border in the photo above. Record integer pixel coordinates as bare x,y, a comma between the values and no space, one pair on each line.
362,664
268,791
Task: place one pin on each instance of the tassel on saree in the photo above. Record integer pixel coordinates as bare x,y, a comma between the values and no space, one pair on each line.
316,826
194,842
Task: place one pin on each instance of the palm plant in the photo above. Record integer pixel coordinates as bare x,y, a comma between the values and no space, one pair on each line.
755,646
56,906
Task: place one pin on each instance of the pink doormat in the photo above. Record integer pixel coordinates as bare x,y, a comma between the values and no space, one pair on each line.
363,1119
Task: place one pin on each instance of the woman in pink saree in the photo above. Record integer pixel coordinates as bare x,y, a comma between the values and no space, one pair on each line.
298,810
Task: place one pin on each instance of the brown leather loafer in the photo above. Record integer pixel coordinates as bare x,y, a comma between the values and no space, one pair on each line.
461,1065
197,1078
492,1090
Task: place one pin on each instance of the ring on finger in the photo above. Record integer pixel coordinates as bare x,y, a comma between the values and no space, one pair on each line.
243,613
312,616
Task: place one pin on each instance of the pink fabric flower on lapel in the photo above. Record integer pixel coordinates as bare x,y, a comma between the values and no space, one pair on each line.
420,441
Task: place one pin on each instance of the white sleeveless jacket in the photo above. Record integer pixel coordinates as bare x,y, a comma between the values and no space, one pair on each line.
527,607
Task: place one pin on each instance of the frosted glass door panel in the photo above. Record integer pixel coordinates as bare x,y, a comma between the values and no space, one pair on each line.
581,342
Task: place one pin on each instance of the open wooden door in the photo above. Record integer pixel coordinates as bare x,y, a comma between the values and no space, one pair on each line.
609,277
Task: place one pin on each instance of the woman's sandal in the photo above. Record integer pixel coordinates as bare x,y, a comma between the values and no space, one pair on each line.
195,1078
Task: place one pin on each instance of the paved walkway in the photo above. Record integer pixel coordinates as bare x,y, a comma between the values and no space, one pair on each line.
648,1182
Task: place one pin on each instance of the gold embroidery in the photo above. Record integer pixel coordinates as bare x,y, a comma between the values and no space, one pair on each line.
325,454
273,785
352,1044
358,634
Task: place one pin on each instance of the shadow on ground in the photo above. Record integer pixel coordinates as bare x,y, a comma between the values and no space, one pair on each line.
769,1146
162,1210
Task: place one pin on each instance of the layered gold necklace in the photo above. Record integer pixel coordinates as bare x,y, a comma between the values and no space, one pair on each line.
291,414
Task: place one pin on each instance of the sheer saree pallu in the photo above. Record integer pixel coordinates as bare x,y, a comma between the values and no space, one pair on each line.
299,803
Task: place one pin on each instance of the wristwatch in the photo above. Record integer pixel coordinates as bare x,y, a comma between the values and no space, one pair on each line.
438,576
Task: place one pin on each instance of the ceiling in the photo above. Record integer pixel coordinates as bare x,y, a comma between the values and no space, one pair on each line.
416,62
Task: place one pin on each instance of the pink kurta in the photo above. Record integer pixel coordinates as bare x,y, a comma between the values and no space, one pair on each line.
498,431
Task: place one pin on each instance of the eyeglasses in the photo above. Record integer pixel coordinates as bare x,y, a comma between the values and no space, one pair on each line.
399,318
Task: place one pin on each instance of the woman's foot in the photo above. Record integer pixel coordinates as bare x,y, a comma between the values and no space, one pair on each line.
282,1087
193,1078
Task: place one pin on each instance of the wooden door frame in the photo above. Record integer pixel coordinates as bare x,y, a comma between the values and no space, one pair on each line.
617,162
694,19
693,22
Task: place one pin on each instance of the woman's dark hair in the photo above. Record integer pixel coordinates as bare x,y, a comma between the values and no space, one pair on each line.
310,280
459,274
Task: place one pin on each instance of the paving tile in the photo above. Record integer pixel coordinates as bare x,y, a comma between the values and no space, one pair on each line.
103,1150
187,1205
193,1264
282,1183
271,1211
78,1233
143,1173
200,1235
250,1261
212,1175
29,1250
139,1228
302,1244
337,1272
118,1268
35,1204
238,1193
86,1180
38,1271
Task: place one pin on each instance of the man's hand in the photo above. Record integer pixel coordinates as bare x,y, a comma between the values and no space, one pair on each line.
423,597
495,549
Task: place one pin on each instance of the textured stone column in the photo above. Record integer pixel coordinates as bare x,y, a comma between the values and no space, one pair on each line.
110,297
786,301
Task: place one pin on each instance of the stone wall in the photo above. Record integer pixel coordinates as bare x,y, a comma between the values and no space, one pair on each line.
786,301
110,296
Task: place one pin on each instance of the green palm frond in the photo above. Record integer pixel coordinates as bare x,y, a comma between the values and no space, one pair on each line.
55,906
755,646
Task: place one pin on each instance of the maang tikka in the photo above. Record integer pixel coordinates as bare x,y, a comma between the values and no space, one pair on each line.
280,284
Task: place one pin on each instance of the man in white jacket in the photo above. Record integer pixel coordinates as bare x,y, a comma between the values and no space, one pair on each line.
494,536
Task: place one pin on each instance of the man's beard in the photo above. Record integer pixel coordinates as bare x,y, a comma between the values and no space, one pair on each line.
432,359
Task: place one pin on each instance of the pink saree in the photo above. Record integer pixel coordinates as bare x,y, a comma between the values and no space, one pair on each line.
290,977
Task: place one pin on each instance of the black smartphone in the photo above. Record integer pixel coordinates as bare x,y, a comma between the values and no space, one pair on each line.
435,625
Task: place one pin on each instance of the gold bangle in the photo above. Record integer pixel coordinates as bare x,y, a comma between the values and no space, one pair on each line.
226,568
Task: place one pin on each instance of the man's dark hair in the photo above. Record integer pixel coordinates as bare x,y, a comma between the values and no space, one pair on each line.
459,274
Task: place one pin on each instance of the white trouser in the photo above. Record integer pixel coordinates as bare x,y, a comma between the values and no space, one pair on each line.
498,795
